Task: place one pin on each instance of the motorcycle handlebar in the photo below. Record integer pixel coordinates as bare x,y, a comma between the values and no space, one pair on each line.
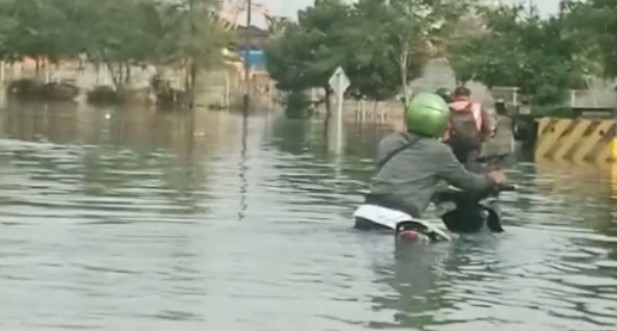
506,187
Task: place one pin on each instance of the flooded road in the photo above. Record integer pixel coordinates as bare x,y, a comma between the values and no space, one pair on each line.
130,220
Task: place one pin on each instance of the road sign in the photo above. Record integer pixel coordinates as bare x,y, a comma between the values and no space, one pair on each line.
339,81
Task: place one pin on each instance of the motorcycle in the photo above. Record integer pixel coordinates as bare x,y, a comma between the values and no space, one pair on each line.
472,213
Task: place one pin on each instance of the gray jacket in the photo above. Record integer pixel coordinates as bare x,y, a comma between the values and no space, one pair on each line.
409,180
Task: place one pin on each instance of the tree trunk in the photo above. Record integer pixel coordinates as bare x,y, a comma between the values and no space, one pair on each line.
403,67
97,70
185,72
112,73
121,76
117,81
193,79
188,86
127,78
193,65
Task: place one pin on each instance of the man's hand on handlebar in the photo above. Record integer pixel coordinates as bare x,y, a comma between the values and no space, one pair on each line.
498,177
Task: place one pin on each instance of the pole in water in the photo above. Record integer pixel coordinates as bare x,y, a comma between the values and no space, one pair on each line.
339,83
339,120
2,73
247,67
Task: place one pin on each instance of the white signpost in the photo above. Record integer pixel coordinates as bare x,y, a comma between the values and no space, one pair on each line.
339,83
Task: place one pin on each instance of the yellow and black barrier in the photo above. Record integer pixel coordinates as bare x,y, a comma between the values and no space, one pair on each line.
579,155
580,141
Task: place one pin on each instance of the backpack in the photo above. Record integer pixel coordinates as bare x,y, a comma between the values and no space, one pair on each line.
464,133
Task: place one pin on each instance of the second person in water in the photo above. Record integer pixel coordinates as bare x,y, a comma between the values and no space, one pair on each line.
469,126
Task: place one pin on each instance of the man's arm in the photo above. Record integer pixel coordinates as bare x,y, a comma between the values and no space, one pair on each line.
454,173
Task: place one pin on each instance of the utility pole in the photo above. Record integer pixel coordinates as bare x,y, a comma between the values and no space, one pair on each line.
192,74
247,66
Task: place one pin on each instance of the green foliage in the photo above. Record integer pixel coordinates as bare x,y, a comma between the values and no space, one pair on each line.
540,56
32,28
308,52
188,30
373,59
189,36
594,23
297,104
117,33
381,46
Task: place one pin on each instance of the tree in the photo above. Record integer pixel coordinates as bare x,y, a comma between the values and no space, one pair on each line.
8,24
418,31
458,42
307,53
116,33
594,25
370,55
191,38
34,28
521,49
382,46
124,37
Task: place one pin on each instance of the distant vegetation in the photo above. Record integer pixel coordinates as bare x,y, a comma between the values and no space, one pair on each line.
115,33
383,45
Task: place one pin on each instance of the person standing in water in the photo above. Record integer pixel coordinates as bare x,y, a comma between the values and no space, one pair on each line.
469,126
411,165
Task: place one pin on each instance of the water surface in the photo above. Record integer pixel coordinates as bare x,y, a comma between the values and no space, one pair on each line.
132,220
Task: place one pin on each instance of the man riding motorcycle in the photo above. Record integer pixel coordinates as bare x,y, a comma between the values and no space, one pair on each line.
410,166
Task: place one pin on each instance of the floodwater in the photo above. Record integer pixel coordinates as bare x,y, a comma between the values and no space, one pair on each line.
132,220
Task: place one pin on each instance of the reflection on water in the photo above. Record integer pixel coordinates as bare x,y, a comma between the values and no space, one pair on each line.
128,219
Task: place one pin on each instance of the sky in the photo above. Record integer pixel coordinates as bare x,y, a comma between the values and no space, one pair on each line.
290,7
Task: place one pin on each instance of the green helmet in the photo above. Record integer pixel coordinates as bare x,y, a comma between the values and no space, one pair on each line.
427,114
